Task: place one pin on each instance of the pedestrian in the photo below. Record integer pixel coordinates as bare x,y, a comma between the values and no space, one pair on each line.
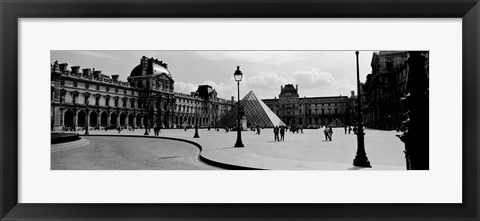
330,133
275,133
282,133
258,129
119,129
349,129
301,128
325,132
345,129
355,130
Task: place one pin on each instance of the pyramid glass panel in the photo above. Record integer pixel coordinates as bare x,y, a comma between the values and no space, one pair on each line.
255,111
336,123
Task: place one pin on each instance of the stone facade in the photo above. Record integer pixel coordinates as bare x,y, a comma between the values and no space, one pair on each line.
309,111
209,110
384,88
146,99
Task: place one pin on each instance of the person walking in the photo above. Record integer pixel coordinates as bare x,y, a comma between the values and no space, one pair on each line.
282,133
330,133
325,132
345,129
349,129
275,132
258,129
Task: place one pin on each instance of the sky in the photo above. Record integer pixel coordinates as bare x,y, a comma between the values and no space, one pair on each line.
317,73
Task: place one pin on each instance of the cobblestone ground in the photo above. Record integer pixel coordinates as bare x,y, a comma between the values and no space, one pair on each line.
384,149
128,153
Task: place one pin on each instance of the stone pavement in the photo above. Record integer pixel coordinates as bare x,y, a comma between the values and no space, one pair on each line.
307,151
126,153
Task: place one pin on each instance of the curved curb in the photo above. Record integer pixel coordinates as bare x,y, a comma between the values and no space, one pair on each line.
65,138
69,145
200,157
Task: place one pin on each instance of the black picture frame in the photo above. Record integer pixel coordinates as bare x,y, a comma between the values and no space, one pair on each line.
12,10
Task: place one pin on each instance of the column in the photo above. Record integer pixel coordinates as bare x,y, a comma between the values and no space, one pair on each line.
416,135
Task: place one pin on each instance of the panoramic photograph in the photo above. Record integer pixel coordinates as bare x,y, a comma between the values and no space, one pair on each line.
239,110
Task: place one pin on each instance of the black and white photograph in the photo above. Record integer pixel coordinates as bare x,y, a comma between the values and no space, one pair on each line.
239,110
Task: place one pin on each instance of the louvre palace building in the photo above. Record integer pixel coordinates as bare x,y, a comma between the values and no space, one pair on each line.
311,111
87,97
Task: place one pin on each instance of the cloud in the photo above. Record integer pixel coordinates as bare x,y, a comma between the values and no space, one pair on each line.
223,90
266,80
309,78
313,77
267,84
96,54
183,87
268,57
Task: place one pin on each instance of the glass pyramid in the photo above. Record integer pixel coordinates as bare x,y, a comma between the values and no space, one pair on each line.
336,123
254,110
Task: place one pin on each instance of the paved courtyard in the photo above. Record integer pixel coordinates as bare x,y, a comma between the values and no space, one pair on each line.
126,153
307,151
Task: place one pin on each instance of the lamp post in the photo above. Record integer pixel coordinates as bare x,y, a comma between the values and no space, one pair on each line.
88,116
196,115
361,159
238,77
146,105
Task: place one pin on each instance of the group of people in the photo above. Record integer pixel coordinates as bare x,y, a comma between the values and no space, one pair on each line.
350,129
296,129
279,130
328,131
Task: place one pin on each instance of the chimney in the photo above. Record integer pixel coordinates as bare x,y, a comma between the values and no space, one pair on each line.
63,67
115,77
96,74
87,72
75,69
281,87
352,92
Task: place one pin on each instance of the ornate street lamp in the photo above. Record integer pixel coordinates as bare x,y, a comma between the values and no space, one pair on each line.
146,105
196,114
361,159
88,115
238,77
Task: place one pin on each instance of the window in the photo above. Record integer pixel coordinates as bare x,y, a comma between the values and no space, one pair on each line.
87,86
116,102
62,82
107,101
97,101
389,64
75,84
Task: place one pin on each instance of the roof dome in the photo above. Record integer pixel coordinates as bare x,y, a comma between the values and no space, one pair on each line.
137,71
154,68
288,88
